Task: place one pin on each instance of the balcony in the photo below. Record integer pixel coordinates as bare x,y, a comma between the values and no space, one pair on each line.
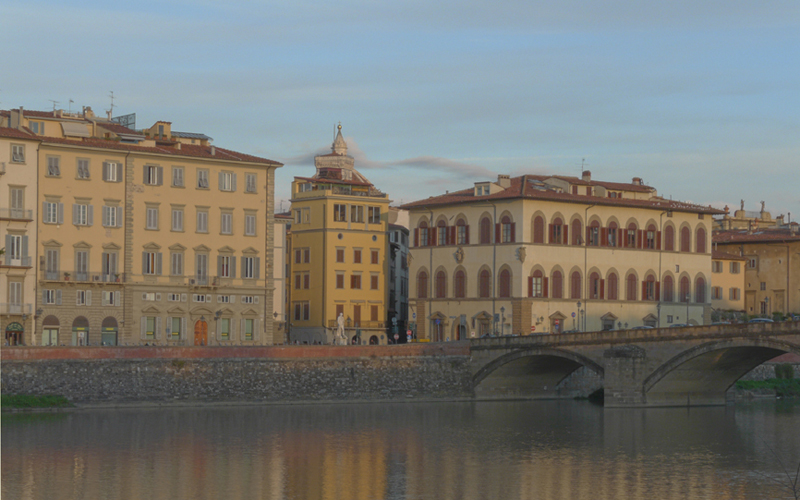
79,277
8,309
16,214
364,325
2,167
8,260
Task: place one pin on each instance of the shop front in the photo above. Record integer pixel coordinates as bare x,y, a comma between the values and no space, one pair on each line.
109,331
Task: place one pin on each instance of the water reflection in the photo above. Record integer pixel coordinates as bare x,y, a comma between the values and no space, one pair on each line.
547,450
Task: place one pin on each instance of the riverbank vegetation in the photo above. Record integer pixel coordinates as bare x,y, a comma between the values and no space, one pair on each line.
8,401
784,388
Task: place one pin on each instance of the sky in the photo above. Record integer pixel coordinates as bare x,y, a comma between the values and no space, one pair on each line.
700,98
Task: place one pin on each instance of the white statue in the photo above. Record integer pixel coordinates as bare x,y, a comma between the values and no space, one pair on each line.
340,337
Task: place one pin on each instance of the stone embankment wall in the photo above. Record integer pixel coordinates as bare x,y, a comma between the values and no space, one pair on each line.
767,371
242,374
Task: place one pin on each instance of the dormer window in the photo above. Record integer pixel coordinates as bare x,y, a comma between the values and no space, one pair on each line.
481,189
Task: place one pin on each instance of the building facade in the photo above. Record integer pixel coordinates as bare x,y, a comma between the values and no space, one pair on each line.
338,256
771,267
397,282
727,284
539,254
149,236
18,238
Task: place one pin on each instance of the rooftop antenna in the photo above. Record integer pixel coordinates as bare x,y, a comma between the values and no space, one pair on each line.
55,103
70,105
583,165
111,111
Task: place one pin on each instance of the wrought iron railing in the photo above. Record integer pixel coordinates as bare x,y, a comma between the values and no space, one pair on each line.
82,277
7,308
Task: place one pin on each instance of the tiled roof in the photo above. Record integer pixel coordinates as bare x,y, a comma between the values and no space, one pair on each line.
118,129
17,134
284,215
521,189
614,186
755,236
719,255
333,181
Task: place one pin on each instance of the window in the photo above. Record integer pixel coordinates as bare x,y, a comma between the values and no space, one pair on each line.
302,311
112,171
224,299
52,259
355,282
82,215
374,256
357,256
306,281
175,325
112,216
575,283
441,233
176,264
51,297
111,299
460,285
484,284
734,294
423,234
177,176
700,291
226,266
149,327
177,219
558,285
340,281
538,229
202,221
701,240
81,265
153,175
247,328
373,282
556,232
669,289
735,268
536,288
649,289
18,153
685,296
83,168
152,218
613,230
576,232
16,249
593,234
422,285
650,238
630,240
595,284
630,289
250,185
504,285
151,263
306,255
202,179
716,266
669,239
752,263
250,267
83,297
108,263
199,297
226,223
249,299
507,230
224,329
716,293
173,297
356,213
36,127
227,181
53,166
486,231
374,215
339,213
249,225
462,232
763,286
686,244
53,212
613,287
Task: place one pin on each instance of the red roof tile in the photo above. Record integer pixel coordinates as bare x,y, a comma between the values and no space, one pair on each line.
755,236
719,255
18,134
333,181
118,129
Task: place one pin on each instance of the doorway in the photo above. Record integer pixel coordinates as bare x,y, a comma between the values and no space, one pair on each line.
201,333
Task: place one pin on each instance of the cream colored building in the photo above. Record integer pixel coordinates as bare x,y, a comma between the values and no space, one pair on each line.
154,237
280,307
18,170
547,254
727,282
338,257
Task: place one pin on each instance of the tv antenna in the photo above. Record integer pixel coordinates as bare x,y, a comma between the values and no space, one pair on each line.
70,105
111,111
55,103
583,166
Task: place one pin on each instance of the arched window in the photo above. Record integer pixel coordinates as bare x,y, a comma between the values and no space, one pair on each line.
538,229
536,286
685,295
701,240
575,285
484,284
700,291
649,288
593,234
557,231
486,231
576,232
422,285
462,232
595,286
507,230
630,237
460,287
613,287
558,285
669,239
613,234
422,236
686,237
441,233
631,287
441,285
504,288
669,289
650,237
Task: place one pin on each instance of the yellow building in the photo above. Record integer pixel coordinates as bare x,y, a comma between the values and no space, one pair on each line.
154,237
18,168
338,252
547,254
771,267
727,283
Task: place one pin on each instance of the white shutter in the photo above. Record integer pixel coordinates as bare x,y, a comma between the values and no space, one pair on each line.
105,298
158,296
116,299
58,297
233,299
233,182
90,216
105,214
232,333
158,328
144,328
256,330
119,216
183,297
88,297
208,298
242,328
183,328
255,299
60,213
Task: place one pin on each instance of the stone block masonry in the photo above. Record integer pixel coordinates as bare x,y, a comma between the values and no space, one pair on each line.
242,374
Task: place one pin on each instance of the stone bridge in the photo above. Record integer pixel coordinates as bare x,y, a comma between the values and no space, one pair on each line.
649,367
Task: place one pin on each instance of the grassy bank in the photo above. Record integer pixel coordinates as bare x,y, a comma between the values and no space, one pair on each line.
25,401
783,387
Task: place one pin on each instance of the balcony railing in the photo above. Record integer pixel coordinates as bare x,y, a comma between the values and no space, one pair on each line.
367,325
82,277
16,214
6,308
8,260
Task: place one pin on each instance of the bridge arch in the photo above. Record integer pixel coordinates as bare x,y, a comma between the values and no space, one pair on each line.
529,373
704,373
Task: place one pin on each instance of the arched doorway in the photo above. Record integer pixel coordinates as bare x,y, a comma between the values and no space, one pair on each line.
14,333
50,327
373,340
201,332
557,322
355,340
80,331
109,331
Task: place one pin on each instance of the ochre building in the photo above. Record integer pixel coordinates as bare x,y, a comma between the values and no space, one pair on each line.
548,254
152,236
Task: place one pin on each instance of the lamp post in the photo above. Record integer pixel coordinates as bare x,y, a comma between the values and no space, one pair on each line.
688,298
578,326
502,320
766,306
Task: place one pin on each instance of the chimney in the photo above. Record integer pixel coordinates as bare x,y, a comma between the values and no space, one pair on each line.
213,151
637,181
504,181
586,175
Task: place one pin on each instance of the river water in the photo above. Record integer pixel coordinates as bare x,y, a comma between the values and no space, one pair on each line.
474,450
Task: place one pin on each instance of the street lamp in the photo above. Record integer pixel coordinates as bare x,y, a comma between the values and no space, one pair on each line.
503,320
766,306
688,298
579,316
